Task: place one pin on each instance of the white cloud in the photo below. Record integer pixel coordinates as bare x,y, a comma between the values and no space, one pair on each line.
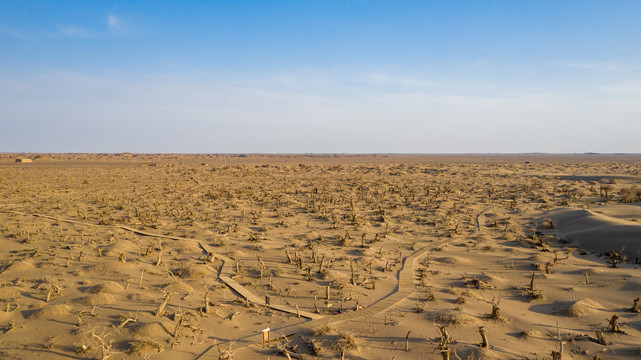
113,22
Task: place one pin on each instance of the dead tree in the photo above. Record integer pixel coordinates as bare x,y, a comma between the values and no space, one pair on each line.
262,266
164,302
600,339
484,343
615,258
614,324
407,341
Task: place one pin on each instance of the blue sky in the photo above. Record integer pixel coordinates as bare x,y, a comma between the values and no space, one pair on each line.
320,76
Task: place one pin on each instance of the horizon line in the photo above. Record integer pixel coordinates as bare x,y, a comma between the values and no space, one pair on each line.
314,153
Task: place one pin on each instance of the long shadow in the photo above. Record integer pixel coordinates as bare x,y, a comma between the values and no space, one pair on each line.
66,355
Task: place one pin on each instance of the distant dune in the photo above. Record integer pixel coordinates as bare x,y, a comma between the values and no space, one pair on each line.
602,229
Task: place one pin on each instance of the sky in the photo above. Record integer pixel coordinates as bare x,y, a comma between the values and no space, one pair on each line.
320,76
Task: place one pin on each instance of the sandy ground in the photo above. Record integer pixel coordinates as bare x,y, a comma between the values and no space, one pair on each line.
128,256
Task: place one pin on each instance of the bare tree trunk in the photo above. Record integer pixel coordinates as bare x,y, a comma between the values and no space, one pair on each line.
485,343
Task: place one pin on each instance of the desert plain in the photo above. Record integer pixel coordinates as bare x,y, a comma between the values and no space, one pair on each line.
170,256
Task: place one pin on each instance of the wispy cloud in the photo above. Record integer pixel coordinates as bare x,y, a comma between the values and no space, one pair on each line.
103,113
74,31
598,66
113,22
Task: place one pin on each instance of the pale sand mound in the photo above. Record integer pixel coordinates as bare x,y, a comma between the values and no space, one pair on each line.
333,275
508,236
4,316
540,259
488,280
108,287
96,299
114,267
597,232
479,353
590,271
533,333
119,246
370,252
235,254
312,235
178,286
453,260
51,312
450,317
19,266
192,271
141,297
183,246
149,331
9,293
580,308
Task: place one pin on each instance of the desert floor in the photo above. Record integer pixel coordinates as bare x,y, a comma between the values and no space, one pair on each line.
128,256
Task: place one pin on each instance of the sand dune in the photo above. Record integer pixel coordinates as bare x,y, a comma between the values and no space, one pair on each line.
594,231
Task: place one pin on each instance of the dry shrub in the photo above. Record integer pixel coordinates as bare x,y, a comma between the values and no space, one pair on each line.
256,247
144,348
276,272
191,272
322,329
345,342
630,194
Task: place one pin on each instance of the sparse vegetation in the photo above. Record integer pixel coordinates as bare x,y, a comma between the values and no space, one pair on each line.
181,256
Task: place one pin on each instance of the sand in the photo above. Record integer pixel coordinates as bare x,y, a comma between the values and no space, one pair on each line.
129,256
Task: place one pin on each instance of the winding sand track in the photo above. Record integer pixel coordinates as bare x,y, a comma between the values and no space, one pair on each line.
404,289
